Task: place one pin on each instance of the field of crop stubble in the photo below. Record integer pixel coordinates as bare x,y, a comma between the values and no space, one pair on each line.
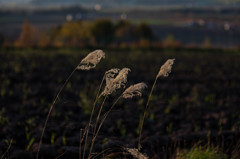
198,104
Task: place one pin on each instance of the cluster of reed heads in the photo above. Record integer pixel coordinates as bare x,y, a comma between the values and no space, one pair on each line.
115,79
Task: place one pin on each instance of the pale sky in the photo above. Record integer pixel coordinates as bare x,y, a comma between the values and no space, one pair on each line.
44,3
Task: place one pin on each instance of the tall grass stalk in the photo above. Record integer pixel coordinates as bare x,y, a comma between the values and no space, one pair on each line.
99,113
115,79
80,145
100,125
51,108
144,115
91,116
163,72
85,146
89,62
130,92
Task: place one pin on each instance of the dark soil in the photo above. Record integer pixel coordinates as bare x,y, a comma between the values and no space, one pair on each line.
197,104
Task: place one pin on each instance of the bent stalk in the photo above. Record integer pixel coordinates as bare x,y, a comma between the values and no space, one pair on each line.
91,116
144,115
50,110
100,125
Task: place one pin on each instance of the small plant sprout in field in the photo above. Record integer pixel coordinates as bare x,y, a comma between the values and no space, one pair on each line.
198,152
136,154
163,72
89,62
134,90
30,143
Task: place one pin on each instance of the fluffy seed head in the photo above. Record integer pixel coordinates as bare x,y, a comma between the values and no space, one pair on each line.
110,75
134,90
121,78
115,79
136,154
91,60
166,68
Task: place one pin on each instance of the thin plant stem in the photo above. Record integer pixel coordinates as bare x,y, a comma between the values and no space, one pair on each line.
60,155
100,153
51,108
85,146
100,125
80,145
144,115
9,146
106,150
91,116
99,113
81,140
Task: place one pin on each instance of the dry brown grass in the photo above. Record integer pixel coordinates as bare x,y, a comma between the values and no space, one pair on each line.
89,62
163,72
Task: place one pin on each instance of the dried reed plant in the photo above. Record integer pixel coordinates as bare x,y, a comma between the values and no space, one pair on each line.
130,92
163,72
110,74
115,79
136,153
89,62
86,131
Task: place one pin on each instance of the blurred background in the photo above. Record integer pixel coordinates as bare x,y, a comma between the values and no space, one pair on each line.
120,23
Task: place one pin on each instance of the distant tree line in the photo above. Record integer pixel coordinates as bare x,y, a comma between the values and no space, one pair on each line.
102,32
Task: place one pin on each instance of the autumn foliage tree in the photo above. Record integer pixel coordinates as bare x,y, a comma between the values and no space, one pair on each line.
28,36
72,34
170,41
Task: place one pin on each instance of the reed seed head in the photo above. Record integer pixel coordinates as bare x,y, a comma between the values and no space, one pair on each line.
166,68
110,75
91,60
121,78
134,90
115,79
136,154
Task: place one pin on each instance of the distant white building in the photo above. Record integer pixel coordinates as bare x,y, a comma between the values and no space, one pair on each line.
97,7
226,26
69,17
123,16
